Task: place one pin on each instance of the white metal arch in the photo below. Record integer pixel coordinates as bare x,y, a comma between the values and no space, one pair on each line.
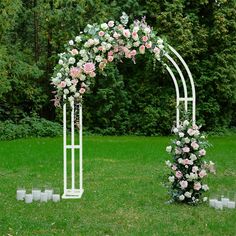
76,190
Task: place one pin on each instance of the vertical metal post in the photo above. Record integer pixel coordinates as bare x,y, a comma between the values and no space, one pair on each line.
72,147
64,147
81,147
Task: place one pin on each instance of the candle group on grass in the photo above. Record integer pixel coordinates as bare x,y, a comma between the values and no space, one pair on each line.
37,195
224,202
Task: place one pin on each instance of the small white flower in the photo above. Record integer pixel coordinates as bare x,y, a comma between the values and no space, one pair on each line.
171,179
193,157
168,149
77,39
85,58
71,42
185,123
82,77
104,26
181,197
77,95
188,194
178,143
59,75
82,52
108,46
147,30
202,137
160,41
180,160
70,99
80,63
60,62
205,187
205,199
168,163
181,134
136,29
66,91
96,41
71,60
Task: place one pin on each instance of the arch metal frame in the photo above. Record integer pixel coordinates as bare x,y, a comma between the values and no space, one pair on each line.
75,190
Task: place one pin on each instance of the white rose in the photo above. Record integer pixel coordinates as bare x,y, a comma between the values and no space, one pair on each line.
104,26
98,58
59,75
193,157
77,95
160,41
188,194
181,134
187,140
82,77
178,143
180,160
68,82
108,46
85,58
96,41
71,42
80,63
71,60
181,197
73,89
60,62
175,130
82,52
70,99
168,149
147,30
171,179
110,39
66,91
136,29
55,80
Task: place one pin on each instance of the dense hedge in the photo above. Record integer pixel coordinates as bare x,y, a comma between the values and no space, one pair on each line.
132,99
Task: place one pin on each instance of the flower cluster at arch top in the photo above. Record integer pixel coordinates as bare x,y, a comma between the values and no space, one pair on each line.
90,52
188,167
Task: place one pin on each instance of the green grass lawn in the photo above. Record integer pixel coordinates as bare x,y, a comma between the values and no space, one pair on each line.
123,194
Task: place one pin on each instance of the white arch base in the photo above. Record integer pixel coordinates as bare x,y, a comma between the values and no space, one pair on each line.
76,188
185,98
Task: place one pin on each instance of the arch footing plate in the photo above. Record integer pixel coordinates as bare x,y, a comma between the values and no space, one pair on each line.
73,194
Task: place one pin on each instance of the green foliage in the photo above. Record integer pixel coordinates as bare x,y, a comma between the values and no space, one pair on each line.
29,127
132,99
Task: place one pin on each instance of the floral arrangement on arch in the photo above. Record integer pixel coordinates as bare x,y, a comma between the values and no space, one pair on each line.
188,166
99,44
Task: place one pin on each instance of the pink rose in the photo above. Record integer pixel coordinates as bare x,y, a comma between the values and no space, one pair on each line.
142,49
110,53
110,58
202,152
183,184
156,50
174,167
135,35
75,72
194,169
74,81
110,23
126,33
62,84
145,38
197,186
133,53
101,33
92,74
178,174
186,149
191,132
74,51
148,45
185,162
195,127
88,67
194,145
202,173
82,90
116,35
116,49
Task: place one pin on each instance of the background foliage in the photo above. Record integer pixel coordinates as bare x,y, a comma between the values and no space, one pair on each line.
132,99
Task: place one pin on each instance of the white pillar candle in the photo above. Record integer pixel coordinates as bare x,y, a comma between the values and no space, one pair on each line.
212,202
56,197
36,194
224,201
49,193
218,205
28,198
20,194
43,197
231,204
